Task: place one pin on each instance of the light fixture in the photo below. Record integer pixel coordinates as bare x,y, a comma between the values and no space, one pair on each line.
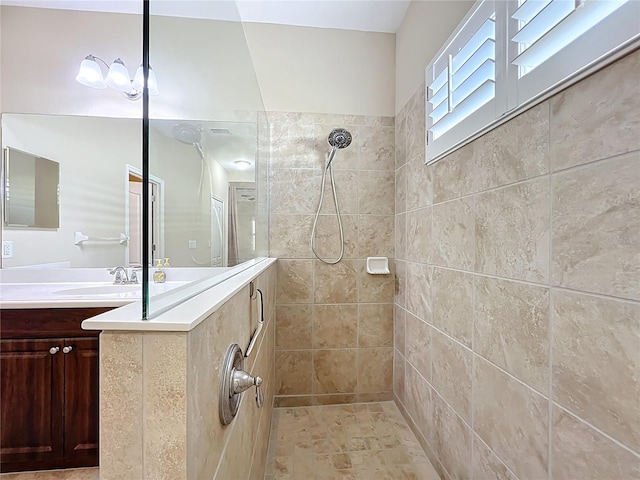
242,164
90,74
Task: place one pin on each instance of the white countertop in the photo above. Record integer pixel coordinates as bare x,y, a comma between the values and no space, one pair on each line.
185,316
75,294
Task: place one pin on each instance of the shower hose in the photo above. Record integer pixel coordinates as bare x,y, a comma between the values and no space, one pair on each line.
328,168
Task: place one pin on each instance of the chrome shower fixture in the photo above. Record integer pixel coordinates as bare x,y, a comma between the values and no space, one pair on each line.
339,138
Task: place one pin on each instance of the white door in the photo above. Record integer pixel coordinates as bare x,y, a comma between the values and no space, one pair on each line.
135,223
217,232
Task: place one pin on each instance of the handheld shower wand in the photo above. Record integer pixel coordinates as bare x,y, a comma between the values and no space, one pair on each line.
338,138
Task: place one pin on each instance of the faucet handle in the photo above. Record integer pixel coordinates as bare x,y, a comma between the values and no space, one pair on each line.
134,274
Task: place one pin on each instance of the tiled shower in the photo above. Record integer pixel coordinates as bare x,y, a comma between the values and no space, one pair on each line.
514,286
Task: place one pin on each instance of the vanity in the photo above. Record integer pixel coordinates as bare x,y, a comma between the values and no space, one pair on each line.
49,389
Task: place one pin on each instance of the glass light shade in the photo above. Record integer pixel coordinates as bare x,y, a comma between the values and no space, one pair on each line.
138,81
90,73
118,76
242,164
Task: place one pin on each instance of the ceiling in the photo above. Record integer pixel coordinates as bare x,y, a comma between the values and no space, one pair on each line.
365,15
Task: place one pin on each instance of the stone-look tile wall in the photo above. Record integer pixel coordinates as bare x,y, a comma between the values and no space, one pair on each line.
517,309
159,397
334,327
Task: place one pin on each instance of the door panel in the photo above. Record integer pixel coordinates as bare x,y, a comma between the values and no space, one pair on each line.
81,399
31,396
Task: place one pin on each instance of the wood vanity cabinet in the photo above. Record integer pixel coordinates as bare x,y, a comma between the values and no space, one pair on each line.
48,389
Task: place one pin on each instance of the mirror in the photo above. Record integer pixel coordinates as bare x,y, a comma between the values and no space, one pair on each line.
202,183
31,186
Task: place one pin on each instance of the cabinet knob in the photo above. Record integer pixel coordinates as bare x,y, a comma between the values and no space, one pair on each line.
67,349
54,350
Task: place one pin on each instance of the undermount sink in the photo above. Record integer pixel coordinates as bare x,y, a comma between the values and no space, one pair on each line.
100,290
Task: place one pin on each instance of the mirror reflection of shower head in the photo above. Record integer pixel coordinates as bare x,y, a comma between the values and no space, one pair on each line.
187,133
339,138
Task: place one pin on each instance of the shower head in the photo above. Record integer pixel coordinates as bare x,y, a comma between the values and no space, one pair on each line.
187,133
339,138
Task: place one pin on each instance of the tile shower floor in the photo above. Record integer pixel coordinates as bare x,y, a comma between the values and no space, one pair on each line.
70,474
364,441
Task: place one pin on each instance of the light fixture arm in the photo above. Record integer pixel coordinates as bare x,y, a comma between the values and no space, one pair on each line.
93,57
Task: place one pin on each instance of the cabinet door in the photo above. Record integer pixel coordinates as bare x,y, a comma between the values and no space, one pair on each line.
81,400
31,381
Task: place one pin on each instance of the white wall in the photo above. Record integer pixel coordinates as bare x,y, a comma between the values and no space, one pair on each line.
321,70
92,153
203,66
425,28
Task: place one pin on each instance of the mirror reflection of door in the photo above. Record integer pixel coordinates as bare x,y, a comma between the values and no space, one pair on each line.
217,232
135,219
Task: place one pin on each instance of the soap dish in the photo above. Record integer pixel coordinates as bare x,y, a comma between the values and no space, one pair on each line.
378,265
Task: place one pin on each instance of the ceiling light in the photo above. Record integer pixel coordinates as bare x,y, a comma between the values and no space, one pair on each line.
90,74
242,164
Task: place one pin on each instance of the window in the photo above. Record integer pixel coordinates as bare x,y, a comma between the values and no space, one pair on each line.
507,56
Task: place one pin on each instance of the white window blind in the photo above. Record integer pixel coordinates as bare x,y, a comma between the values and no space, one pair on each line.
506,55
554,39
461,80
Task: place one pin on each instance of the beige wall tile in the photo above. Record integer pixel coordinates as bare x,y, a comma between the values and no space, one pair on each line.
327,239
453,234
334,372
290,190
289,236
375,288
596,220
375,236
417,401
596,361
515,151
512,231
295,281
346,183
376,193
375,369
486,466
515,412
293,327
452,373
293,373
399,316
416,123
401,137
418,345
419,235
334,399
451,440
598,117
375,325
581,452
298,401
164,395
121,431
400,283
452,297
453,176
419,183
375,397
335,283
398,375
376,149
401,189
419,290
290,145
511,328
401,237
335,326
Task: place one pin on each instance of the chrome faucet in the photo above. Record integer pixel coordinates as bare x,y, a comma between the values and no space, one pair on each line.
121,276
